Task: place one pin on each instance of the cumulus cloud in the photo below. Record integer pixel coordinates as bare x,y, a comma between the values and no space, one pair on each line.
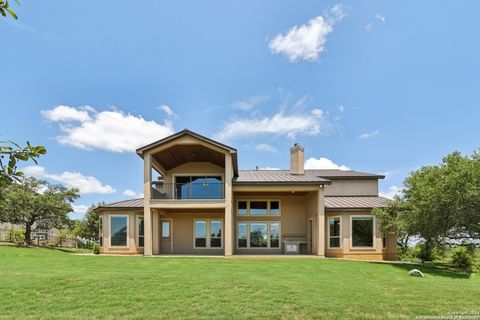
311,123
168,111
391,193
86,184
307,41
113,130
265,147
249,103
368,135
79,208
323,163
133,194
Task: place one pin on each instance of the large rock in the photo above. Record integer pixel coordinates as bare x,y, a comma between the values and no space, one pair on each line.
415,273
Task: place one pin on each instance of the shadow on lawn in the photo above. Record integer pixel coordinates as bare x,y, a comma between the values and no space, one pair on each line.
436,269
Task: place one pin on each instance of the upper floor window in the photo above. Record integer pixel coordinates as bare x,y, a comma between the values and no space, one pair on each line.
258,207
198,187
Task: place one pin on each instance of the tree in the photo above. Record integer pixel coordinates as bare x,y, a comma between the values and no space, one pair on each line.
37,204
10,154
439,202
5,8
88,227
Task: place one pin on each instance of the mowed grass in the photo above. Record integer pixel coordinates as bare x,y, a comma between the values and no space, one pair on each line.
51,284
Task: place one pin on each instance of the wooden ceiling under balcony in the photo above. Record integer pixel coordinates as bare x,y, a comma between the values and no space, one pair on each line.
180,154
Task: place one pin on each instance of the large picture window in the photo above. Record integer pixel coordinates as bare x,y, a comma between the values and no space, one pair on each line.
118,231
258,234
198,187
140,232
208,233
362,231
258,207
334,228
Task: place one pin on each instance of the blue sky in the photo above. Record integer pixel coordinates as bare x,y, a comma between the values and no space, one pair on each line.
376,86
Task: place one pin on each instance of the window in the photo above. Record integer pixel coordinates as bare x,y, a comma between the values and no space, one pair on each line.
215,234
242,208
198,187
242,235
362,231
334,232
200,234
274,235
384,240
258,234
100,230
274,208
208,233
258,207
118,231
140,232
165,229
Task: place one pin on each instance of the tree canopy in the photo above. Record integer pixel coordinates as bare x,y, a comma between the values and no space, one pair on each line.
88,227
438,202
37,204
5,8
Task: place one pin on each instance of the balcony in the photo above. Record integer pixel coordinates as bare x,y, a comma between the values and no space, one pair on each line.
188,191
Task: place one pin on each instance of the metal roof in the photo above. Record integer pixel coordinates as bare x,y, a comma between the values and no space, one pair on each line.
276,177
342,174
130,204
363,202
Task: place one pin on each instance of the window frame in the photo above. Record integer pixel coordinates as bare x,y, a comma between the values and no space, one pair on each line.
269,214
339,236
138,218
247,222
208,228
374,224
110,230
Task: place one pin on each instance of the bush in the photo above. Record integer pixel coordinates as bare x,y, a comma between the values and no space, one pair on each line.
426,251
462,258
96,248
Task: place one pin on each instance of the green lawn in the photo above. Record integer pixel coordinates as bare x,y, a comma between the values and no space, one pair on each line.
46,283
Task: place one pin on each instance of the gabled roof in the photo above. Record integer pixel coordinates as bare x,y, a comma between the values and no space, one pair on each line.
276,177
179,134
361,202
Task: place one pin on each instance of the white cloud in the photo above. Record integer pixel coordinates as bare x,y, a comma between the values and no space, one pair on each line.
323,163
270,168
106,130
250,103
80,208
265,147
168,111
368,135
392,192
341,108
307,42
281,124
369,26
86,184
133,194
380,17
66,113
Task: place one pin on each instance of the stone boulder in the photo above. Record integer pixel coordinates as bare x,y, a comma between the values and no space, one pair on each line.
415,273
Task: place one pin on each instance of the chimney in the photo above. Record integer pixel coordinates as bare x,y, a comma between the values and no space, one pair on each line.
296,159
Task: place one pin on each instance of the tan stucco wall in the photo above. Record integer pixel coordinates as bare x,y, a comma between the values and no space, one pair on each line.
132,246
346,251
353,187
194,168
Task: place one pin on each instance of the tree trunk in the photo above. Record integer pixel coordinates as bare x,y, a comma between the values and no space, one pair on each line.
28,233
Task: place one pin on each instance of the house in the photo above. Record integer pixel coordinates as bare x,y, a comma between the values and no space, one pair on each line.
203,204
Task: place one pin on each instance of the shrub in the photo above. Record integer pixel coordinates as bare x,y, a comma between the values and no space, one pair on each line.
426,251
462,258
96,248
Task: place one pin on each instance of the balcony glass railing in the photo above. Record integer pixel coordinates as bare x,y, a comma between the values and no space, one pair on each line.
188,191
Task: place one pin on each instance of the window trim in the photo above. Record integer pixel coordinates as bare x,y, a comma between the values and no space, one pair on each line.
110,230
247,222
373,233
259,215
207,220
137,227
339,237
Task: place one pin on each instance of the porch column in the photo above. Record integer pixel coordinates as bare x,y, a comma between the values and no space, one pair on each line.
228,205
147,213
320,223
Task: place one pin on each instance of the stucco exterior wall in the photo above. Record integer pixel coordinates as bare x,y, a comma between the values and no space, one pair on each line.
352,187
132,241
194,169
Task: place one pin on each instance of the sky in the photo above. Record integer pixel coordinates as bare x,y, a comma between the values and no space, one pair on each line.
375,86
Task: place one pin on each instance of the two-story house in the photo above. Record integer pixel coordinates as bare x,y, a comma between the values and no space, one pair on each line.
197,201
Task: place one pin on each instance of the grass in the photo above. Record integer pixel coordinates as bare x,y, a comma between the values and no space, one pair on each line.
52,284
